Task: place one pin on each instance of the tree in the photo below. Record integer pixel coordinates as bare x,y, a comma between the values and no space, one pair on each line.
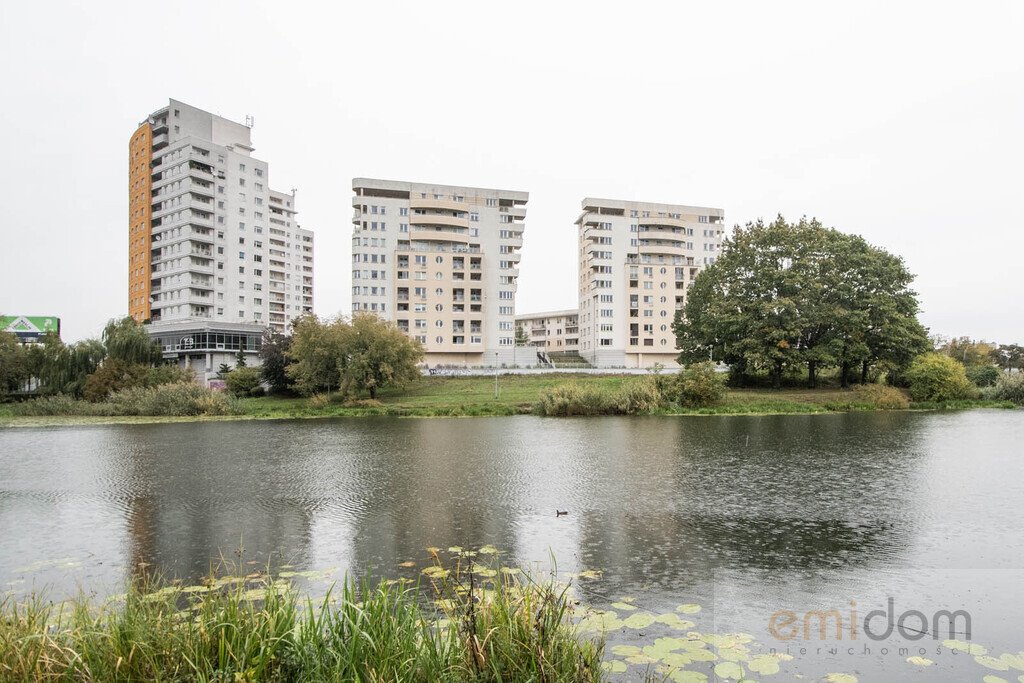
1009,357
522,338
63,368
240,359
274,358
126,340
244,382
968,351
787,295
937,377
700,385
14,364
376,354
314,355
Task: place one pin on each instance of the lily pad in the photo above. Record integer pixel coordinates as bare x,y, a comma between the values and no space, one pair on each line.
615,666
688,677
729,670
435,572
1015,661
992,662
994,679
626,650
920,661
625,606
766,665
638,621
488,550
673,621
406,564
840,678
688,608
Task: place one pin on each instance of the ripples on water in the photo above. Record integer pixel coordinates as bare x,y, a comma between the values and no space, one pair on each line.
771,511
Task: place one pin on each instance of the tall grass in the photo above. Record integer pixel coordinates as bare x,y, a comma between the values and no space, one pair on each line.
490,626
178,399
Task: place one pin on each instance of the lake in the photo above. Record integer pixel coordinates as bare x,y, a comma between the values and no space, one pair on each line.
758,520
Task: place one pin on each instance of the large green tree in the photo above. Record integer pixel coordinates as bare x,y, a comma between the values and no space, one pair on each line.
314,355
785,295
15,366
274,361
365,354
126,340
377,355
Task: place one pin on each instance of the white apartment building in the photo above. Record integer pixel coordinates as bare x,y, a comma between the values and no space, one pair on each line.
551,331
209,240
636,261
441,261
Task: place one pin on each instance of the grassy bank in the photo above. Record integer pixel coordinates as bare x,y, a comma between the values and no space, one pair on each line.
474,396
470,623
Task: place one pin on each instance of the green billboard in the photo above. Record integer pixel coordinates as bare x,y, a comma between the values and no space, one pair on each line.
30,328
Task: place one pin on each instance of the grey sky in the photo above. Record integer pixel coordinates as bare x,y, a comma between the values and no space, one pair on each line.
899,121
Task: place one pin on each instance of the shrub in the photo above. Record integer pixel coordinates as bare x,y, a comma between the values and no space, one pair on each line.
936,377
641,395
983,375
565,400
699,385
115,375
882,397
244,382
61,404
319,401
1010,388
180,399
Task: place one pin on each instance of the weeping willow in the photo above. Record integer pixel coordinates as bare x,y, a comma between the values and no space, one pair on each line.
128,341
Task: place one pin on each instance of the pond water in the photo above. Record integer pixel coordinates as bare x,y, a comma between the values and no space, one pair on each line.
758,520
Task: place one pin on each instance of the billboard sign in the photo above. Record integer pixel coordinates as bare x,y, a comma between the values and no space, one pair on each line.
29,329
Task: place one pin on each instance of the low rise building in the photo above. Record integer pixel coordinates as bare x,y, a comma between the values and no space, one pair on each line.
551,331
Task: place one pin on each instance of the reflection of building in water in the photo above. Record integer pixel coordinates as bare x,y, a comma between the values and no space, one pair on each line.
208,490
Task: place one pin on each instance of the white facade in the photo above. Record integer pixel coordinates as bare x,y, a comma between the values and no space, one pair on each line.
224,246
637,259
442,262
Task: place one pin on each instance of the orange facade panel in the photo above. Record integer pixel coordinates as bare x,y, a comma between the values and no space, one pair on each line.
140,214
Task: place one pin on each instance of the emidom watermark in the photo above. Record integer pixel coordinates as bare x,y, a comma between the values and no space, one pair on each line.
853,623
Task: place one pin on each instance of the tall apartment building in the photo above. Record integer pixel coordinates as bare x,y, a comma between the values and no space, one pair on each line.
637,260
208,240
442,262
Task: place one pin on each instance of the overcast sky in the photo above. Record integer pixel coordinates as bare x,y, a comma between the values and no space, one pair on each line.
903,122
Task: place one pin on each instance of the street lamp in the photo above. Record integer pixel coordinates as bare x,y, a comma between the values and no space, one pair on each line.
495,375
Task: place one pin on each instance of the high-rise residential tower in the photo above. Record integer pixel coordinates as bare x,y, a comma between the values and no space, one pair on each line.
442,262
637,260
208,240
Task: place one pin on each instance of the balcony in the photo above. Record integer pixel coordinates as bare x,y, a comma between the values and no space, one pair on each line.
438,205
439,236
663,249
432,219
660,222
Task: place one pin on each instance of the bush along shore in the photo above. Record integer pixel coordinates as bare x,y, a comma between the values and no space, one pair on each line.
694,392
468,622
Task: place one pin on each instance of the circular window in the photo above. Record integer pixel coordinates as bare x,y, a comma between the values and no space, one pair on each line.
439,276
664,328
439,291
439,259
664,313
439,339
664,343
664,284
663,271
663,299
439,307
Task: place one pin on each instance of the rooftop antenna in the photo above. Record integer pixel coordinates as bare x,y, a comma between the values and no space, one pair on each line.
294,190
250,121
